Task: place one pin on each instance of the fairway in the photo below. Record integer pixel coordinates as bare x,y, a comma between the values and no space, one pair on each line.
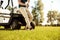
39,33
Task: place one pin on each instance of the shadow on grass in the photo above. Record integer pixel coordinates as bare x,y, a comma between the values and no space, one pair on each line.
2,29
11,29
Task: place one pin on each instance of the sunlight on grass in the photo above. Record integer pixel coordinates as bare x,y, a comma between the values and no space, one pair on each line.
39,33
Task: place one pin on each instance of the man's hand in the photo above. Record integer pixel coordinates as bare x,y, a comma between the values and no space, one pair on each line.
27,4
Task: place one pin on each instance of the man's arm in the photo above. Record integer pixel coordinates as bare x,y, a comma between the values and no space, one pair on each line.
20,3
28,1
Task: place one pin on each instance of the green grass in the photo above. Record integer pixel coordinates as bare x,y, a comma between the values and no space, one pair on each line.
40,33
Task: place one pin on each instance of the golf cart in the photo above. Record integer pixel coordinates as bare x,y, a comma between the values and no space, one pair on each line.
12,19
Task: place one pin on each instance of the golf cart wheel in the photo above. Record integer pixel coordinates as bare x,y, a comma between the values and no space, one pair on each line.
6,27
14,25
33,25
18,26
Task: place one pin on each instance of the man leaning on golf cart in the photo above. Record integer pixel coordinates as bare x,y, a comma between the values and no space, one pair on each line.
23,9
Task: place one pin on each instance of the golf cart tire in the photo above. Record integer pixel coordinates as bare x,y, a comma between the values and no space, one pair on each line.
6,27
14,25
18,26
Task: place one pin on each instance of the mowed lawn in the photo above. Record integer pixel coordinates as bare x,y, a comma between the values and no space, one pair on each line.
39,33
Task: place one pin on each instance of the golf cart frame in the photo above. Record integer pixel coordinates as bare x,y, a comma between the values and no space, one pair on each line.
16,20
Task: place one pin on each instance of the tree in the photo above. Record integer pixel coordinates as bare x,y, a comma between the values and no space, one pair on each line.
38,11
40,7
58,19
35,15
52,16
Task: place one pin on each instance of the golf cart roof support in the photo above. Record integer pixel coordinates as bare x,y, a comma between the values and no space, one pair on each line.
8,4
1,3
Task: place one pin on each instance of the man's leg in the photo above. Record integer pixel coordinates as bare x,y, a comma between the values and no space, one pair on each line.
29,15
24,13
